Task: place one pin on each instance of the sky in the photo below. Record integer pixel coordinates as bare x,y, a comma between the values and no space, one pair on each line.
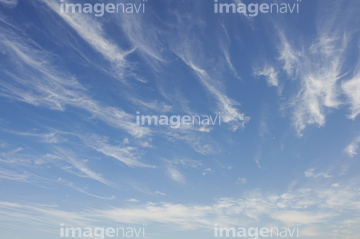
286,88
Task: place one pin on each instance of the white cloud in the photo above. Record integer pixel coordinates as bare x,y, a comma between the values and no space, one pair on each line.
46,86
263,128
146,38
241,180
187,162
187,217
229,113
91,31
82,190
225,48
9,3
203,149
352,148
160,193
125,155
76,166
319,66
288,56
352,91
270,74
310,174
132,200
317,70
175,174
153,105
295,217
13,175
257,159
198,143
324,208
51,137
207,171
40,216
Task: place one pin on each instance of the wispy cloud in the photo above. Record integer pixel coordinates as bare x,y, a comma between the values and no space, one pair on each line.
305,206
196,142
9,3
40,216
271,75
241,180
152,105
225,48
174,173
51,137
289,57
147,40
320,91
92,32
24,177
352,91
125,155
318,71
352,148
318,68
207,171
160,193
49,87
82,190
229,113
311,174
77,167
152,45
132,200
295,217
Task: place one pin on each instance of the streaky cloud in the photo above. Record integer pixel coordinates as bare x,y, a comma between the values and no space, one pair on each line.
91,31
54,89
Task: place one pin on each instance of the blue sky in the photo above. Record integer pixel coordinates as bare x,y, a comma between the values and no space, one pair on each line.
287,87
